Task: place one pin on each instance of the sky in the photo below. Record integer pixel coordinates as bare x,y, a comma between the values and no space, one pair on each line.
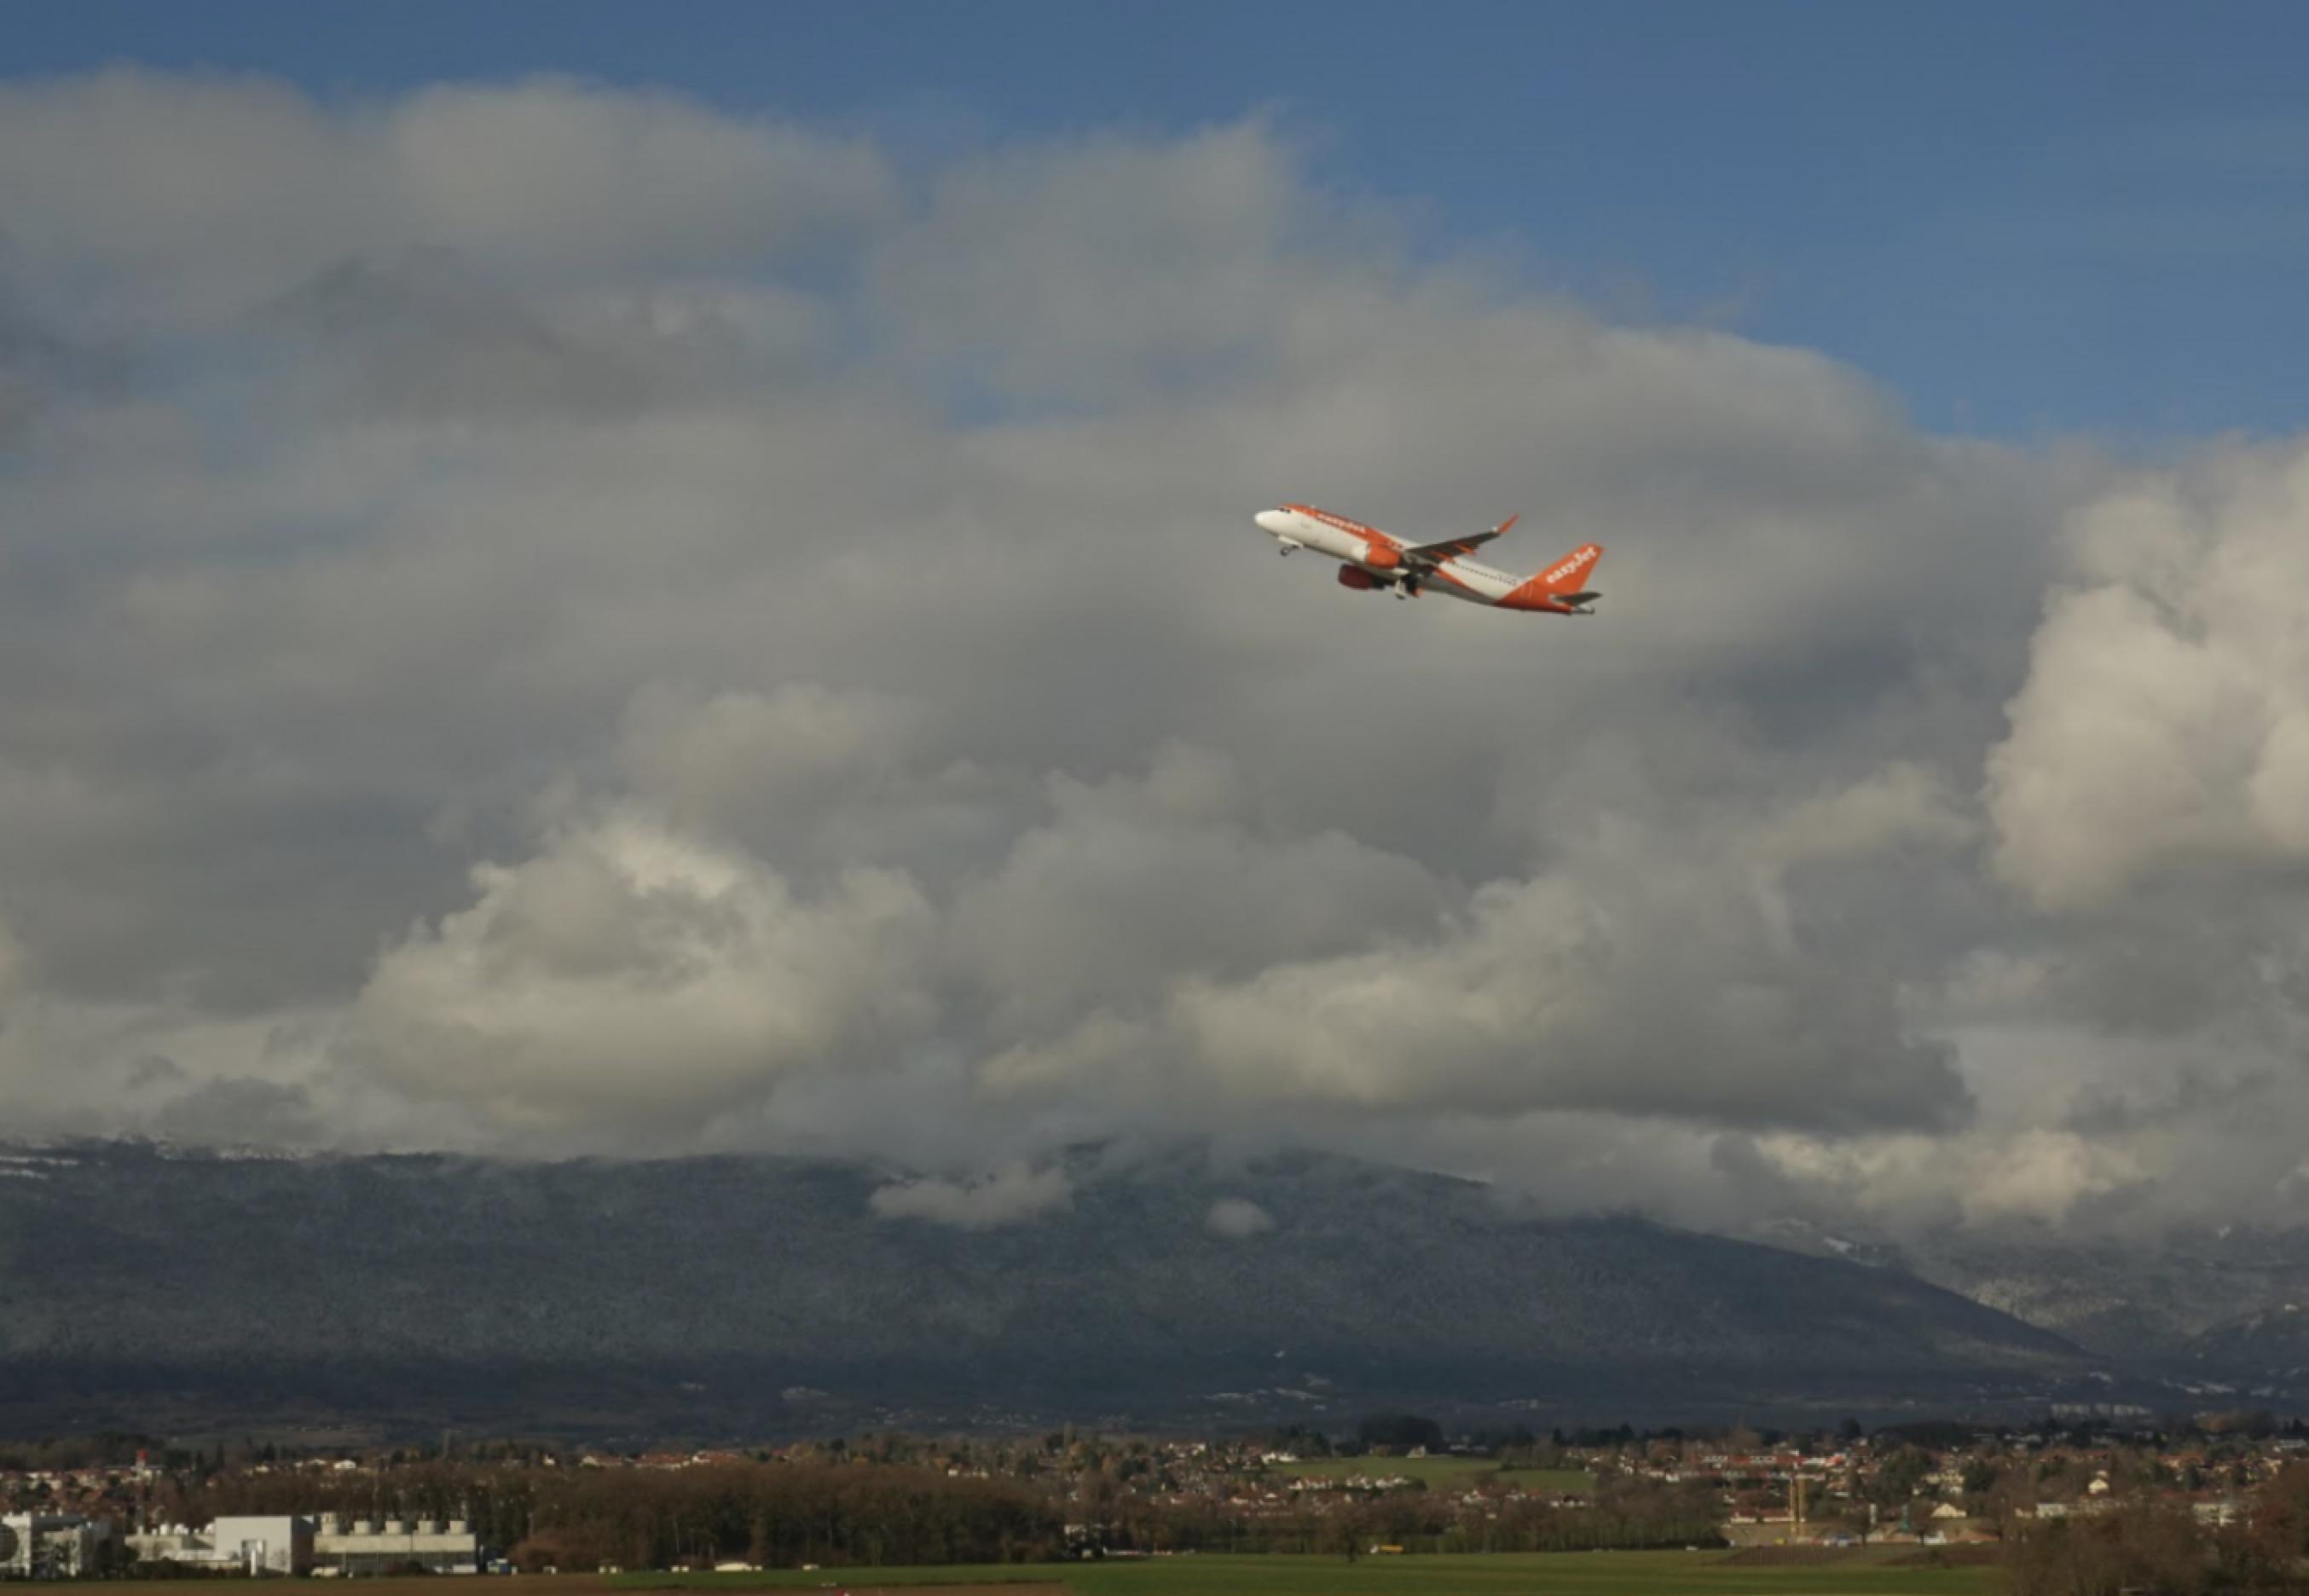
568,591
2026,220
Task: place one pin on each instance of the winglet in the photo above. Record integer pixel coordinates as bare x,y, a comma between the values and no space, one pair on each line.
1510,521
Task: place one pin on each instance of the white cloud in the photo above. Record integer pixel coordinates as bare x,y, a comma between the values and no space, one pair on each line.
2165,719
2031,1175
1010,1196
721,761
1238,1217
631,977
1902,805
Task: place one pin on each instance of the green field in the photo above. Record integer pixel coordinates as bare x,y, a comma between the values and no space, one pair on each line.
1440,1473
1556,1574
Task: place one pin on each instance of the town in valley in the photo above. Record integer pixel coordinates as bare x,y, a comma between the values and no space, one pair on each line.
124,1506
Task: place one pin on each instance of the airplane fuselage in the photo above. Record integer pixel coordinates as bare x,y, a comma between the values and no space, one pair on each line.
1375,560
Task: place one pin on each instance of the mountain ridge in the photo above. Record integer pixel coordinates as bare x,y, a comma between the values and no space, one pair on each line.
687,1293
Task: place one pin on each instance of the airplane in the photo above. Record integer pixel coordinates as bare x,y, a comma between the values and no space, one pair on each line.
1372,561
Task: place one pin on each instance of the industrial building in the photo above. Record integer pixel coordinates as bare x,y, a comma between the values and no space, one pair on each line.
277,1545
350,1545
336,1543
55,1546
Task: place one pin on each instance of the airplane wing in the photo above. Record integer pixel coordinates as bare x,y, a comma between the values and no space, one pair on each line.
1452,548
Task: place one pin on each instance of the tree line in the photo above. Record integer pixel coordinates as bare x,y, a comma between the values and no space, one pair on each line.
784,1514
774,1514
2155,1546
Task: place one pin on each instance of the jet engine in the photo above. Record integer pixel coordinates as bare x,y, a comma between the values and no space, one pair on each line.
1361,580
1380,557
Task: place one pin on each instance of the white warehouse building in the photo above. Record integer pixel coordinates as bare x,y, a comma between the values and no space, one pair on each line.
350,1545
336,1543
274,1545
53,1545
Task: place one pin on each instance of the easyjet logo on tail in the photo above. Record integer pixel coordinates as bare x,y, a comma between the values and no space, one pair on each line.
1572,566
1552,587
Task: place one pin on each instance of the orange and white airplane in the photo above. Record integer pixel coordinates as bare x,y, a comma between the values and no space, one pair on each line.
1371,561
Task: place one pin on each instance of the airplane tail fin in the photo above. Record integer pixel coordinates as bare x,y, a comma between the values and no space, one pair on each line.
1563,585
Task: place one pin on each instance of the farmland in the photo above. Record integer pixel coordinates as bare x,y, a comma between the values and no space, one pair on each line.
1878,1572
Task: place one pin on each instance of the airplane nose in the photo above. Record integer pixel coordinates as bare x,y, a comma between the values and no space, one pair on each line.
1273,521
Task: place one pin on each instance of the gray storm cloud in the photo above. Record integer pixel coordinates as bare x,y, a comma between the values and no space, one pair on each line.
1646,974
579,620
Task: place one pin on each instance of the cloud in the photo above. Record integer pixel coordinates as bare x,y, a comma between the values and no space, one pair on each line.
1901,806
200,193
801,771
1011,1196
2165,719
1238,1217
1136,883
583,621
1644,974
426,335
154,1070
1076,272
239,1113
13,971
39,366
630,974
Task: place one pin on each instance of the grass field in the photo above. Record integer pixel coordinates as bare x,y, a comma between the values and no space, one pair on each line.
1858,1572
1440,1473
1554,1573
